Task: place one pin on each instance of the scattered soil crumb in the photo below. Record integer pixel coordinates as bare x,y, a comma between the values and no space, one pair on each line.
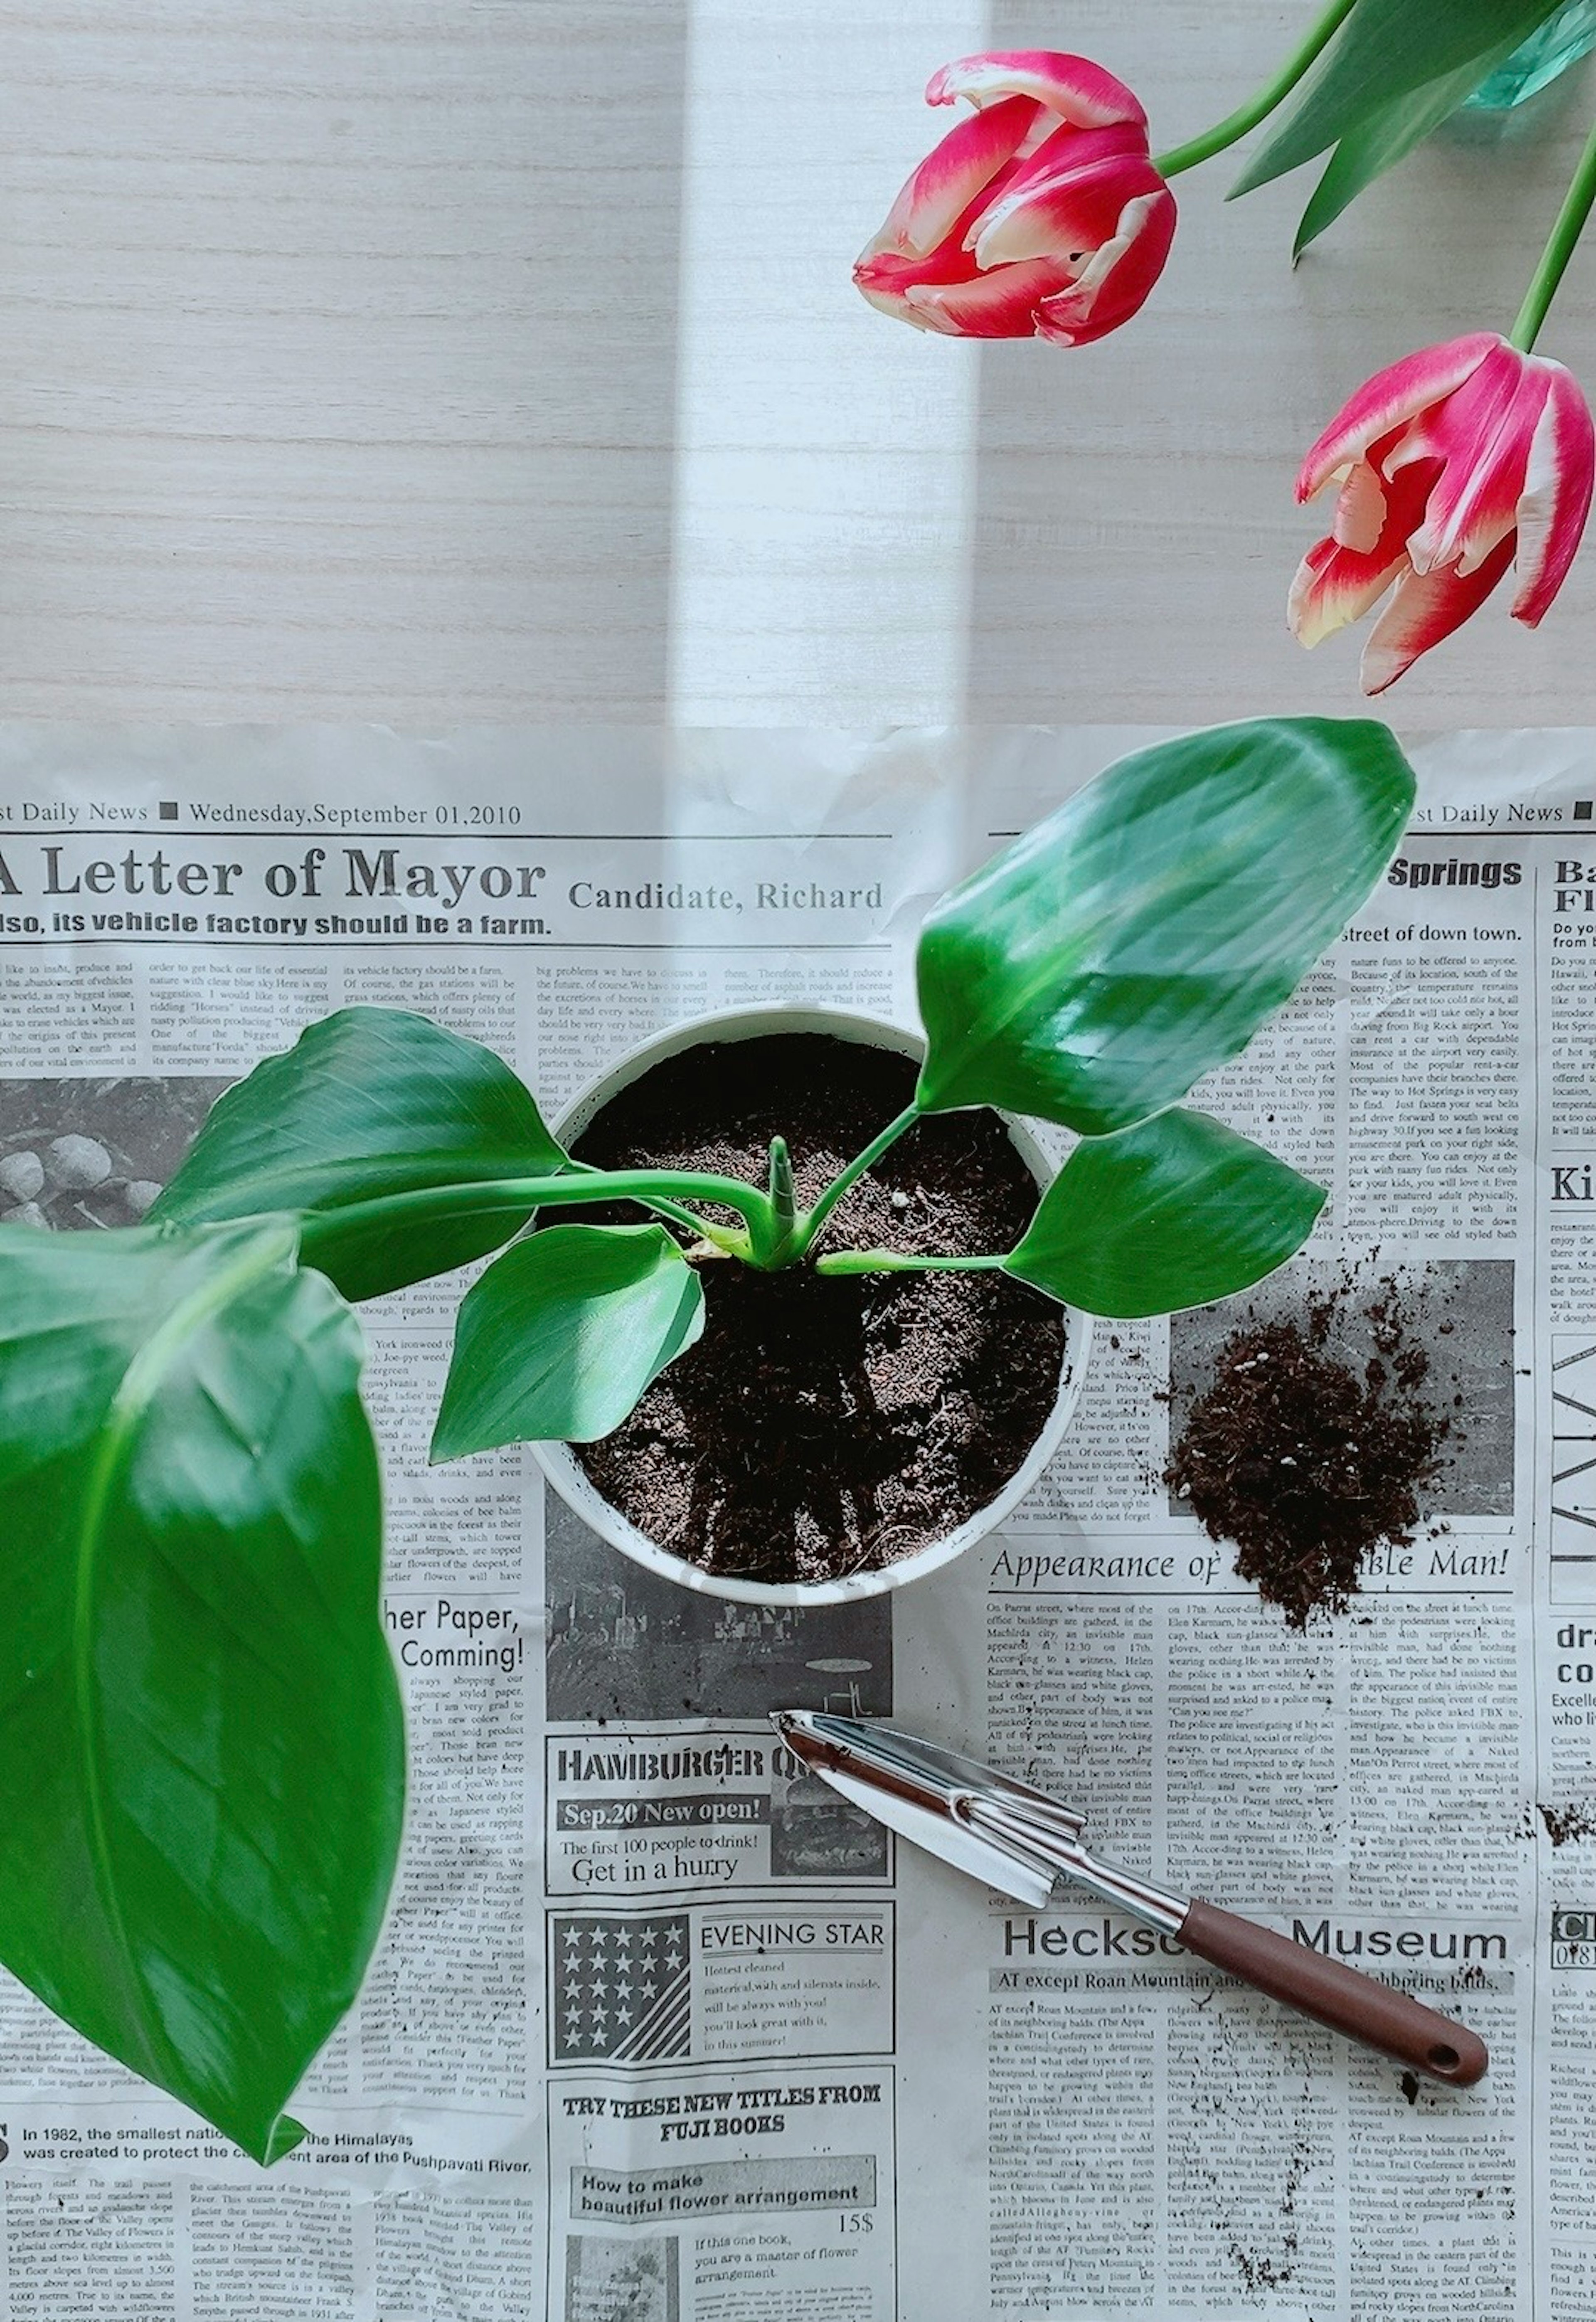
1566,1824
1259,2272
1306,1463
1274,2272
1409,2084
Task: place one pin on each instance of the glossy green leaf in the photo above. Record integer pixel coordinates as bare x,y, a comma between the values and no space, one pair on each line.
1385,136
1170,1213
201,1753
1387,50
562,1334
1138,936
369,1102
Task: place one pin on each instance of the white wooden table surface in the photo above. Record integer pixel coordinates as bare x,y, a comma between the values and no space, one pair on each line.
379,358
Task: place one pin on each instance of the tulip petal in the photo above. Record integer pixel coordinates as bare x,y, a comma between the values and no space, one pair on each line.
1483,436
1335,585
953,175
890,302
1069,215
1360,508
1459,427
885,278
1073,88
1001,305
1557,497
892,271
1117,281
1390,399
1424,607
1337,582
1062,147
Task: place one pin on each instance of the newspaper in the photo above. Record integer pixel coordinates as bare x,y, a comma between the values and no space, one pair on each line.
658,2034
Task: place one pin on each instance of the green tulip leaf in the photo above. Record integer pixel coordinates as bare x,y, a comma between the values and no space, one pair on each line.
1385,136
562,1334
1139,935
1386,51
367,1102
200,1735
1174,1213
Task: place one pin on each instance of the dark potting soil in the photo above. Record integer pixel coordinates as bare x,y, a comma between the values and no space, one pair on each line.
1305,1463
826,1426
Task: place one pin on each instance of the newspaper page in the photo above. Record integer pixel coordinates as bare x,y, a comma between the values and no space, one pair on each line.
657,2032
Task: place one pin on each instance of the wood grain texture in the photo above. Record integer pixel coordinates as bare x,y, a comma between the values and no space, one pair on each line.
442,362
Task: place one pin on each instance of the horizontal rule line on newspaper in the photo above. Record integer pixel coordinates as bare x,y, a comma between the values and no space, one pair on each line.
440,833
30,934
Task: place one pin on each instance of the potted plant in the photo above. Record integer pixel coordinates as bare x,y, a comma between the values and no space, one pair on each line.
204,1768
885,1419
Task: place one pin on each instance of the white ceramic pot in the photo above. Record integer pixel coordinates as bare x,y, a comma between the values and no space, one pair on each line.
569,1479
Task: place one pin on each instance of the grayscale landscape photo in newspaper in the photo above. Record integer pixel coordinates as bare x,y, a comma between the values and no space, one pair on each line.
661,2029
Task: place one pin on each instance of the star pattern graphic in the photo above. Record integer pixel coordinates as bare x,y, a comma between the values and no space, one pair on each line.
622,1989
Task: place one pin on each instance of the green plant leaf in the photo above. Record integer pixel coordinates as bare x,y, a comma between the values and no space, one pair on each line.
1170,1213
369,1102
201,1752
1385,136
562,1334
1138,936
1386,50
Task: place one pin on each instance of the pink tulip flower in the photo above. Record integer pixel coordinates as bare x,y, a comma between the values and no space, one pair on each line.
1041,215
1451,464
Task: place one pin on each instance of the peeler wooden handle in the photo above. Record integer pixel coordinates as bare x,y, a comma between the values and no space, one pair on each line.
1340,1997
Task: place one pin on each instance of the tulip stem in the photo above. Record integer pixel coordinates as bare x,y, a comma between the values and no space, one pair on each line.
1559,250
1236,125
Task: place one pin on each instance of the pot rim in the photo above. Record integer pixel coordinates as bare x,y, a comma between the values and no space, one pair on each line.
581,1496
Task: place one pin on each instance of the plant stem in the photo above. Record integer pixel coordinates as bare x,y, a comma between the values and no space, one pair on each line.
783,1208
1559,250
810,1223
523,1194
892,1261
722,1236
1236,125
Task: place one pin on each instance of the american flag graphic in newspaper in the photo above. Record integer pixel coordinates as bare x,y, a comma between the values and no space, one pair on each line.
622,1990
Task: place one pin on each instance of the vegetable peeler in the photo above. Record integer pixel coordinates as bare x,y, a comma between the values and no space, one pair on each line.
1021,1841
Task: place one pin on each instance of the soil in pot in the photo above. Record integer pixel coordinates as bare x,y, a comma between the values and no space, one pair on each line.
824,1427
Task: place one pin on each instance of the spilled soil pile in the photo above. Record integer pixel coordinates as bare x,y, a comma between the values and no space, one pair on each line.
1307,1463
